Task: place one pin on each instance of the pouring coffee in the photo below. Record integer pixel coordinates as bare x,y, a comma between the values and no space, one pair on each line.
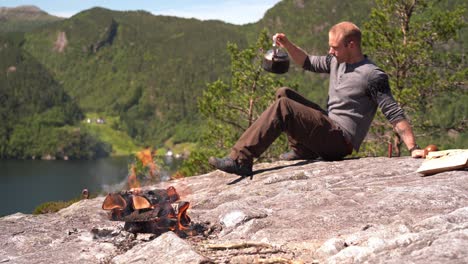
276,60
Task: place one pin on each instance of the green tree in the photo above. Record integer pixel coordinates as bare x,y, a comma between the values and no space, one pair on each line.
230,108
414,41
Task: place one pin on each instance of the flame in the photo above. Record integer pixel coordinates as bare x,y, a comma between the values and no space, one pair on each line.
152,169
183,220
132,178
177,175
135,191
146,158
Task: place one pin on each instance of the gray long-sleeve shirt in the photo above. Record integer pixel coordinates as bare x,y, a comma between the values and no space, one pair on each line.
355,92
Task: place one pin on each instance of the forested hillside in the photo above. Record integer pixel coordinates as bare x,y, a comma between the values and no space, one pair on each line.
36,114
147,72
146,69
24,18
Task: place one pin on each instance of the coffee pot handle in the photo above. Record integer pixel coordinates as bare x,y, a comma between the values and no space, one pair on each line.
275,49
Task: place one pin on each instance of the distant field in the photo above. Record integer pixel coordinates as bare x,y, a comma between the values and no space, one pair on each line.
121,143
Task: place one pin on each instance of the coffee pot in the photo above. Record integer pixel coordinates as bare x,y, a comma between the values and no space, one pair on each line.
276,60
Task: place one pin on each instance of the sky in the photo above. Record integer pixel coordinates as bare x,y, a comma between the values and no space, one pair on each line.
232,11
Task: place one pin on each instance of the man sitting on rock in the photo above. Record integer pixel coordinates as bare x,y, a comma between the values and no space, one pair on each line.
357,87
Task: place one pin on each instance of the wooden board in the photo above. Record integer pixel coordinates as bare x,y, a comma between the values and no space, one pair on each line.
439,161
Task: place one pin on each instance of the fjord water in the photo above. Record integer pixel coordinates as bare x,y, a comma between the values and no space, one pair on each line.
24,184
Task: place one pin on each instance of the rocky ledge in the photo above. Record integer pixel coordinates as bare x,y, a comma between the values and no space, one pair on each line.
369,210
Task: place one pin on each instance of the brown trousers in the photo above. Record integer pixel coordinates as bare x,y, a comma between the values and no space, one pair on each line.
310,131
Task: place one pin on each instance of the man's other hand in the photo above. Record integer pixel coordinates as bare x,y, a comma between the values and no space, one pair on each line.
418,153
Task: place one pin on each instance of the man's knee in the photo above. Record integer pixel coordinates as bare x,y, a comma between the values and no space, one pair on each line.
283,105
282,92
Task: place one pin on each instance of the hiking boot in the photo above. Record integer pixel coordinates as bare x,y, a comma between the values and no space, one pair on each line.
292,155
231,166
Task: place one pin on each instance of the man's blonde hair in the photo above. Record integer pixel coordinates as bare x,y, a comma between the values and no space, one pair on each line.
347,31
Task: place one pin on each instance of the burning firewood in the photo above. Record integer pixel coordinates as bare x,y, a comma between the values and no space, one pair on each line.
140,202
154,211
114,201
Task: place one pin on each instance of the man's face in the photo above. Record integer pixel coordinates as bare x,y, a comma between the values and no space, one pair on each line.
337,48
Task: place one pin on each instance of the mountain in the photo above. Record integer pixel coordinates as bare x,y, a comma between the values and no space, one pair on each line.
36,114
307,22
24,18
148,70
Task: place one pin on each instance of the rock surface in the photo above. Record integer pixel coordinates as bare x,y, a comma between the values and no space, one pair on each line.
374,210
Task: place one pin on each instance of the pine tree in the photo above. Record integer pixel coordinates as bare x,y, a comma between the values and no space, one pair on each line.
415,42
230,108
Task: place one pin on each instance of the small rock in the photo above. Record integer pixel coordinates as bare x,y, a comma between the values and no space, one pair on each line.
331,247
233,218
352,254
376,243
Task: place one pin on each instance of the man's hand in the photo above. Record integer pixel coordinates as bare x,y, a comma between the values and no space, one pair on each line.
404,130
297,54
281,39
418,153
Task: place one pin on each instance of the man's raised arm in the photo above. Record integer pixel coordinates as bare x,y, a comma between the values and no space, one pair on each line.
297,54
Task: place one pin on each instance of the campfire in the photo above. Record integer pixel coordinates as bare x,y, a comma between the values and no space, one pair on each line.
150,211
154,211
